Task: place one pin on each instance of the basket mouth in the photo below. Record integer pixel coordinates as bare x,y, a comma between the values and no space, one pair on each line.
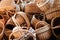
9,26
39,16
56,21
56,33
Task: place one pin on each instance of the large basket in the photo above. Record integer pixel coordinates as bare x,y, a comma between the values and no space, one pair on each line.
55,26
19,18
21,34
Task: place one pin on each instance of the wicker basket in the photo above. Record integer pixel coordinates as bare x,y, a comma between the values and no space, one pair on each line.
21,34
44,32
55,26
19,18
51,13
36,18
32,8
43,5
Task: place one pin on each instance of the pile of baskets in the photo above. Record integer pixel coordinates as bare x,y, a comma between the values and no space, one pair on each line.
29,19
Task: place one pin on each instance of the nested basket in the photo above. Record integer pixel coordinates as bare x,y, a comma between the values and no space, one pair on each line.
51,13
55,26
19,18
36,18
21,34
2,22
43,5
56,3
42,28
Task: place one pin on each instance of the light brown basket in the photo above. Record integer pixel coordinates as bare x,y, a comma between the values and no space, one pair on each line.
53,12
55,26
18,19
43,5
36,18
21,34
32,8
44,32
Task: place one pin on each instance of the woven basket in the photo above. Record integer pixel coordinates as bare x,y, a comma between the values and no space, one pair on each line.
55,26
32,8
56,3
51,13
43,5
21,34
19,18
36,18
44,32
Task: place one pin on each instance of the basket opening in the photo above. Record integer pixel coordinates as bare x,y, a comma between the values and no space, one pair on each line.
39,16
9,26
57,32
56,21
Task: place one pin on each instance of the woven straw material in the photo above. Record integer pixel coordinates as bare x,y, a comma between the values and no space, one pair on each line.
51,13
31,8
44,5
7,5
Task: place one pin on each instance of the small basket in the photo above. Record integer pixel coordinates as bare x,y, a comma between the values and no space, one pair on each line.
36,18
43,5
44,32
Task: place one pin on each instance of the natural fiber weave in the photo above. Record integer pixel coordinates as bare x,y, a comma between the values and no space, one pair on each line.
53,12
